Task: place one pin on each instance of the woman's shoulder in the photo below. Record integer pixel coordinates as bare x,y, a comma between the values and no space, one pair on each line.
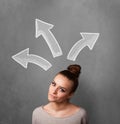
80,109
37,109
83,111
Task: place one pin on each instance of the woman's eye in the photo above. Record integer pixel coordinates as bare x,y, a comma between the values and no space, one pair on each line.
62,90
53,83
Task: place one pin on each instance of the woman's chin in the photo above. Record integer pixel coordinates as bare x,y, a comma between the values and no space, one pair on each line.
51,99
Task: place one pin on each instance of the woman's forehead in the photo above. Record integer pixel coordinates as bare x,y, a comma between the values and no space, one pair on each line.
62,81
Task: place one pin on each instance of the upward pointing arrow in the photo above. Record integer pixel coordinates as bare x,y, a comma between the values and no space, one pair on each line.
23,58
88,39
43,28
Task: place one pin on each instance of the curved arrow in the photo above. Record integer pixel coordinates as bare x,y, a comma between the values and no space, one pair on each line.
88,39
43,28
24,58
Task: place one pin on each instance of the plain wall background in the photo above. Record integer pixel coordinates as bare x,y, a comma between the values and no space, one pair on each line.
22,90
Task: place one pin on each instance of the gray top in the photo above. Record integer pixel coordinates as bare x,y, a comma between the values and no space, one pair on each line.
40,116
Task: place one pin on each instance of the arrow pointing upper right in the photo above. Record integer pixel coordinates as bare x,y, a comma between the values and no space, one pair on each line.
88,39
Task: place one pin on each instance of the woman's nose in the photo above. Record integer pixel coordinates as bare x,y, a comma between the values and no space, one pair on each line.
55,91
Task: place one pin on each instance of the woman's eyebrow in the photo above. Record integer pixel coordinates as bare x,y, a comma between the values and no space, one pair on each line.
61,86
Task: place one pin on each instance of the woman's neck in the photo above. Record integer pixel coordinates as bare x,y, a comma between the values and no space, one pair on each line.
58,106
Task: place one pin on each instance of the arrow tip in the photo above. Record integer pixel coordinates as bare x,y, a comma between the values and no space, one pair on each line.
21,57
41,26
90,38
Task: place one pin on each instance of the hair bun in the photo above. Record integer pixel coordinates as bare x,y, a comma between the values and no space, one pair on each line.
74,69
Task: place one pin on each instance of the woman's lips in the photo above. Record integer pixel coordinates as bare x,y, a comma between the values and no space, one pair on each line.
52,95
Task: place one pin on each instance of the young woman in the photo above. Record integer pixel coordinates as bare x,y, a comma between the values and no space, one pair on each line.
59,110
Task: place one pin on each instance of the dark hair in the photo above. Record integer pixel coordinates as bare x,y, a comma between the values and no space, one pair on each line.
72,73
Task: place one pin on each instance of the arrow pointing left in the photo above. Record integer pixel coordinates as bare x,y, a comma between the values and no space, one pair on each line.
23,58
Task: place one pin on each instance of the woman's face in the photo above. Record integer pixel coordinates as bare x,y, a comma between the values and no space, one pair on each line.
60,88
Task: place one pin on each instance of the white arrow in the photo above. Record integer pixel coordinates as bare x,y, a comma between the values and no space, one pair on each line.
88,39
43,28
24,58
